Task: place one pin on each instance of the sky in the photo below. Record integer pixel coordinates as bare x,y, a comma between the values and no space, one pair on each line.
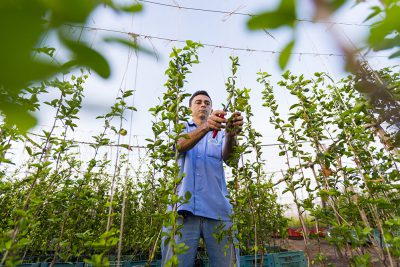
145,74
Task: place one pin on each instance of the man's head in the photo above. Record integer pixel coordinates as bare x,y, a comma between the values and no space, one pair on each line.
200,104
201,92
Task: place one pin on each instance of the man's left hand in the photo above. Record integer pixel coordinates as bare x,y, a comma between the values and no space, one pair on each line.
234,124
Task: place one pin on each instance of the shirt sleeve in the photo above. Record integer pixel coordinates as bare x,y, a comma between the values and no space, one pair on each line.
185,131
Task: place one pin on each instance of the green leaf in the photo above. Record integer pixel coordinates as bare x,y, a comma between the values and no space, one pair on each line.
126,146
62,11
397,139
359,107
285,14
134,8
188,195
22,33
387,43
387,26
29,150
18,116
8,244
89,57
127,93
367,230
15,76
40,70
336,4
70,64
189,43
375,12
45,50
396,54
129,43
285,54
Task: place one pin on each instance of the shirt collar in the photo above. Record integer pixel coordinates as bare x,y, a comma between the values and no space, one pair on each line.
191,123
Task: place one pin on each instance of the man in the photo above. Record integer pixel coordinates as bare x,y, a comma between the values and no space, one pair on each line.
201,159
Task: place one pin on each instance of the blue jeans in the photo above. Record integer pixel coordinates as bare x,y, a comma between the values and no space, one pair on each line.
220,252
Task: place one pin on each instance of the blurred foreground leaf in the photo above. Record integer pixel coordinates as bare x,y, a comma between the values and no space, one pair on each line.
128,43
285,54
86,56
25,26
284,15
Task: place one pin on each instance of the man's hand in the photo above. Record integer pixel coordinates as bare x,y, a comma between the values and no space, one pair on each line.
234,124
233,127
215,120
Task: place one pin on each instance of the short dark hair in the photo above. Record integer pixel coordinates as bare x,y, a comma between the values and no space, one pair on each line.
201,92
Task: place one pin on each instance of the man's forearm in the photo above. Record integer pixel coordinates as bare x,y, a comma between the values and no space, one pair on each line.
184,144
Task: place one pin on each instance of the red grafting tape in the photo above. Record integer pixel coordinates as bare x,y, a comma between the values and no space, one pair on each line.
215,131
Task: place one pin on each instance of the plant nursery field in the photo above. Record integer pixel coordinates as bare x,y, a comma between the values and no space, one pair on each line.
98,196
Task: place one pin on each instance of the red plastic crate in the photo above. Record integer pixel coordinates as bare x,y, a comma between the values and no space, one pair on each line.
295,233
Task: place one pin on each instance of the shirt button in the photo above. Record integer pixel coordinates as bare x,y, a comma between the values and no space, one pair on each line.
198,156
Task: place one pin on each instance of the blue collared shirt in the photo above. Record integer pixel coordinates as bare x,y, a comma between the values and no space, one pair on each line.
204,177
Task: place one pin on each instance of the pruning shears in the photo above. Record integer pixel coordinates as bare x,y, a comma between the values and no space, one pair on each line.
222,116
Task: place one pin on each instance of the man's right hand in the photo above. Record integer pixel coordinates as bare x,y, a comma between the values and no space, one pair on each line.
215,120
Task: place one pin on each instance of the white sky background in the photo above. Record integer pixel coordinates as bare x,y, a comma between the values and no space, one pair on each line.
212,72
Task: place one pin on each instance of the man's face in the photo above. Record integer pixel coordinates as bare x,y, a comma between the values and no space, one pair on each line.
201,107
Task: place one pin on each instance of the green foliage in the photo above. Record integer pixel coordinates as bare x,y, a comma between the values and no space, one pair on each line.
285,54
86,56
128,43
384,32
257,215
333,117
284,15
27,23
362,261
168,129
339,173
